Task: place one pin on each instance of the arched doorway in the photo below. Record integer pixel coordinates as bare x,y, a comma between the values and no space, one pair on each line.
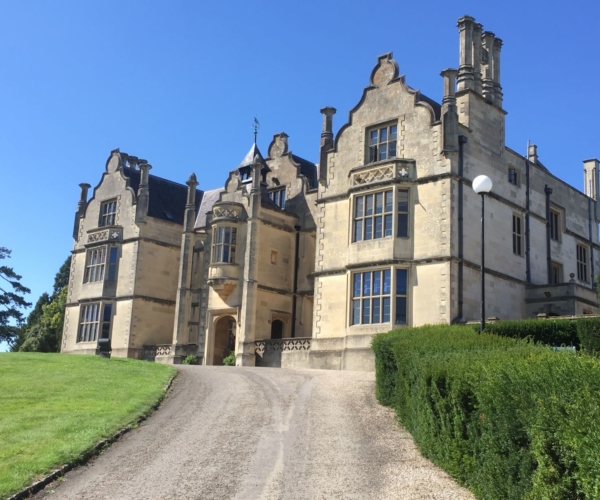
224,339
277,329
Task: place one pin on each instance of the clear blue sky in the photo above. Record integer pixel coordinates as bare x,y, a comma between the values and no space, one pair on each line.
179,82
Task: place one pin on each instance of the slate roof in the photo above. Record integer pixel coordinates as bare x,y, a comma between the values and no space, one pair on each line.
437,107
167,199
308,169
249,158
208,200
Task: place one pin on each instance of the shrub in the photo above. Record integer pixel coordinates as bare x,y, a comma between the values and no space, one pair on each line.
230,359
506,417
555,332
588,331
191,359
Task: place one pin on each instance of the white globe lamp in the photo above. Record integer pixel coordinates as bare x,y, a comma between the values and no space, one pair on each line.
482,184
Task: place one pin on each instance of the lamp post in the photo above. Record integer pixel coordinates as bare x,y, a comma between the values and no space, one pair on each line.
482,185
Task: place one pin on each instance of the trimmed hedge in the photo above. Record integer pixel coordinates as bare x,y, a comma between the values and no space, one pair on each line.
582,333
507,418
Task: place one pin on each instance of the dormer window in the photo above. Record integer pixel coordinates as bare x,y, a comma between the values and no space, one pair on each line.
382,142
278,197
108,213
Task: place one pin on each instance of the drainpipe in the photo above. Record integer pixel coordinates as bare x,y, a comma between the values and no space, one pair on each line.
527,229
462,140
593,282
296,266
548,192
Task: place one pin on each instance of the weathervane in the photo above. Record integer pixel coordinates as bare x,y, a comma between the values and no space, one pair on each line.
255,127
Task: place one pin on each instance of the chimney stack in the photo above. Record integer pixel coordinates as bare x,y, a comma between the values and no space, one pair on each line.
143,195
466,78
326,140
449,112
532,155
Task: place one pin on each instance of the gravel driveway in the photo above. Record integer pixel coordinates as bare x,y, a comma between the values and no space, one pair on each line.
263,433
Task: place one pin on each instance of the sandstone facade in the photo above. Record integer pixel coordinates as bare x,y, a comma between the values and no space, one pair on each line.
299,264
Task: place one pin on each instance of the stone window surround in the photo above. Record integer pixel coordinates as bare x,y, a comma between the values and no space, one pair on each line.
582,253
556,218
95,321
108,213
557,272
224,252
517,235
373,150
393,295
104,267
513,176
395,213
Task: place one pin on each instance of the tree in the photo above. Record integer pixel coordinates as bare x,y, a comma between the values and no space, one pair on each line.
11,301
43,331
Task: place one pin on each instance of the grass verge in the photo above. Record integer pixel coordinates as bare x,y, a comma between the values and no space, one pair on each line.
55,407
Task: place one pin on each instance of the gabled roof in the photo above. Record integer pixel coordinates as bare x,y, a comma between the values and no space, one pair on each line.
167,199
308,169
208,200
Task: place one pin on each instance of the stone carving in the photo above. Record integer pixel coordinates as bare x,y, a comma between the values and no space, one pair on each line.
151,351
99,236
283,345
232,213
373,175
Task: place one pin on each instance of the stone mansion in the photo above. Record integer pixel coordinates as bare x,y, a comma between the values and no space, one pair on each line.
298,264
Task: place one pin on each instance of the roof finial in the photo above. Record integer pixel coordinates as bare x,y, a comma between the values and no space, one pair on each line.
255,127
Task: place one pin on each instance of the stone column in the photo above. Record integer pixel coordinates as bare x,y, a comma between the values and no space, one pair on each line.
244,353
496,72
184,288
326,140
477,54
466,78
590,178
143,195
449,113
488,77
81,206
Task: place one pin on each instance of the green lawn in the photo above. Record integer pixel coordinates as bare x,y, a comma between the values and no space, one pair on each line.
53,407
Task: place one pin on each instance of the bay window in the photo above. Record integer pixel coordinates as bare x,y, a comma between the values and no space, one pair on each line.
373,215
224,245
372,300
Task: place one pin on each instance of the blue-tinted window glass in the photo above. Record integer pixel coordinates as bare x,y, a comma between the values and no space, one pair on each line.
369,229
383,152
359,206
403,225
378,227
366,284
387,281
356,291
358,230
378,203
356,312
401,310
107,312
366,314
389,201
386,310
401,281
376,282
369,204
388,225
376,311
393,132
402,200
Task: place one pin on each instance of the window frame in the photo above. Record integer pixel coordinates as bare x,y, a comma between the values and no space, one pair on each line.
95,319
221,248
374,149
513,176
107,219
556,273
517,234
380,214
582,253
278,196
555,225
367,301
105,266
